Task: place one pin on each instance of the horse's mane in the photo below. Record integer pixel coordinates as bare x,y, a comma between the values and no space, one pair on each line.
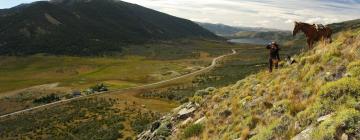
306,24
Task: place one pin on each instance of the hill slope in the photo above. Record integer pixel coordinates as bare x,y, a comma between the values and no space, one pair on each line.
316,98
232,32
87,27
348,25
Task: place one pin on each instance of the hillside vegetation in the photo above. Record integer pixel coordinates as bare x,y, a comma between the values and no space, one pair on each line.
316,98
87,27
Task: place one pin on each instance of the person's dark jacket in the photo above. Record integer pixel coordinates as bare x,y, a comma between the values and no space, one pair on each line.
274,51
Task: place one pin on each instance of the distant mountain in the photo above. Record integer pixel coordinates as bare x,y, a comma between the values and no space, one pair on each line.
87,27
226,30
346,25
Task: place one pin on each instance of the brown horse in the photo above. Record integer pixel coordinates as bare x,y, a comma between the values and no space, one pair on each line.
312,34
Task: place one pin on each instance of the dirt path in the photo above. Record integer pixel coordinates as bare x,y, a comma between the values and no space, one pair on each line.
213,64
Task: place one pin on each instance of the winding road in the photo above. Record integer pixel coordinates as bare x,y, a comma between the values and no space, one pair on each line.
213,64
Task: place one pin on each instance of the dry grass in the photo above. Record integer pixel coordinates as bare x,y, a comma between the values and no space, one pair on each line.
274,106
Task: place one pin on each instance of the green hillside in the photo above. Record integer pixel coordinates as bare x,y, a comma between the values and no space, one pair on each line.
316,98
348,25
87,27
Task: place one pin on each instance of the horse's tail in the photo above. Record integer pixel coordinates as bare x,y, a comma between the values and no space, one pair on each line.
329,33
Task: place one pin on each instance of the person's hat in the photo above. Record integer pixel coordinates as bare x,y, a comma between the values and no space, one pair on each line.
273,42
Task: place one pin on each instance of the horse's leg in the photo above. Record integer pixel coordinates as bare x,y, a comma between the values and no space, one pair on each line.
308,42
330,39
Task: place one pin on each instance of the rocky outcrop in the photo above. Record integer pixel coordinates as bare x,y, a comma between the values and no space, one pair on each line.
306,134
163,128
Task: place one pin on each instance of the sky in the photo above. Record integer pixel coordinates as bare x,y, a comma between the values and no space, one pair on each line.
279,14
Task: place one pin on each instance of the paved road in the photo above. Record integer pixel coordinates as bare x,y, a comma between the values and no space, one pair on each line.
213,64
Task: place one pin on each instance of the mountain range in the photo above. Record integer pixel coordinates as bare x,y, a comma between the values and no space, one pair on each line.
226,30
87,27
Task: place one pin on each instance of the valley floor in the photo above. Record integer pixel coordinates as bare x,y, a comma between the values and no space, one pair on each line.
133,111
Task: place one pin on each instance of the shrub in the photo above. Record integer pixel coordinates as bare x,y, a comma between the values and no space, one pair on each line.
47,99
277,128
314,70
344,86
201,93
99,87
346,120
164,129
193,130
196,99
281,107
331,53
354,69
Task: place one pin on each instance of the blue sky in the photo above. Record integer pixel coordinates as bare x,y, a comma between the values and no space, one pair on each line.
278,14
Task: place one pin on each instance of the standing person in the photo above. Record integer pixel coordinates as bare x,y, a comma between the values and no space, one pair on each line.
274,55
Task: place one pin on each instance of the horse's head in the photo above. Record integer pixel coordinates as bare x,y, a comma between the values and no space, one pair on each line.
296,28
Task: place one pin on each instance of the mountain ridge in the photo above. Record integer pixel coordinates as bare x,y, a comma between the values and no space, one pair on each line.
227,30
88,27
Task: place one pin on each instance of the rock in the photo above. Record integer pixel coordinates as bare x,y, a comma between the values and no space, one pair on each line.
185,113
188,120
323,118
304,135
339,73
252,133
155,126
344,137
200,121
225,113
190,105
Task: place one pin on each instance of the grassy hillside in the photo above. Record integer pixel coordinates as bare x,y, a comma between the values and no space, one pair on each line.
316,98
81,27
249,60
348,25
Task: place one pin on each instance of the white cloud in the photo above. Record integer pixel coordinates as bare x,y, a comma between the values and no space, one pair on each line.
267,13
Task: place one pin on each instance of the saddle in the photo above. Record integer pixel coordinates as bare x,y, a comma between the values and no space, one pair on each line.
319,27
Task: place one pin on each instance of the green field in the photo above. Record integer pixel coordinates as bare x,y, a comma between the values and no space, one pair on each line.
147,64
22,72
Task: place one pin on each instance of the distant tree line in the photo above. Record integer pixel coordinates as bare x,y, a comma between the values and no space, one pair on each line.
47,99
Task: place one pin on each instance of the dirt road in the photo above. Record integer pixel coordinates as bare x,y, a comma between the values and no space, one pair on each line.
213,64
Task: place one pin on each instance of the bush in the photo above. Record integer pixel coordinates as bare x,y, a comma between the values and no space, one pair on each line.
164,129
332,53
99,87
277,128
342,87
193,130
346,120
281,107
354,69
47,99
197,99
